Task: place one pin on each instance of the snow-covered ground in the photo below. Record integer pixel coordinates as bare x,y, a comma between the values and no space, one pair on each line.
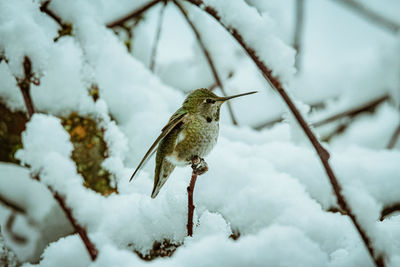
267,185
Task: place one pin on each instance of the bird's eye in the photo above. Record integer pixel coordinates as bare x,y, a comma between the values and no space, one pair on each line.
210,101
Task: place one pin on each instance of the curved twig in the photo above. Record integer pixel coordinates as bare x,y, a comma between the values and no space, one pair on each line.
157,37
371,15
322,153
133,14
9,228
208,58
389,210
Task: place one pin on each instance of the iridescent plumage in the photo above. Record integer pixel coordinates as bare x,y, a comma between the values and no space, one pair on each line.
192,131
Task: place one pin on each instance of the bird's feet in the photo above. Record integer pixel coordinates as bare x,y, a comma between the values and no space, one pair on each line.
199,165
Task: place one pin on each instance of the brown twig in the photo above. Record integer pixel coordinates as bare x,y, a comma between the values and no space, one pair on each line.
24,85
322,153
191,207
9,228
66,28
15,208
298,31
389,210
157,37
44,7
79,229
199,167
208,57
215,85
11,205
348,113
393,139
353,111
120,22
370,14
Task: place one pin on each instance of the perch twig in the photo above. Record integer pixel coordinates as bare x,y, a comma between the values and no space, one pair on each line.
322,153
199,167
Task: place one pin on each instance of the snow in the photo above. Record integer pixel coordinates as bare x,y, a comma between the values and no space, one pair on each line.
273,52
268,186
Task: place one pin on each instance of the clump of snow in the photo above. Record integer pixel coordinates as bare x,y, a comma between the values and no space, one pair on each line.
266,186
25,31
249,23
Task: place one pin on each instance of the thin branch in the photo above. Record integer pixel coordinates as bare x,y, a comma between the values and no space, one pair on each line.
393,139
191,207
199,167
15,209
208,58
389,210
370,14
215,85
66,28
298,31
45,9
348,113
157,37
11,205
120,22
93,252
9,228
24,85
322,153
353,111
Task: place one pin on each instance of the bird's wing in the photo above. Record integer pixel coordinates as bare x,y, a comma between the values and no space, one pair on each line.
175,119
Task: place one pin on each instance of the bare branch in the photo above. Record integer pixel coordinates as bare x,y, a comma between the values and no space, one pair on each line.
24,85
66,28
199,167
93,252
120,22
348,113
298,31
393,139
157,37
322,153
11,205
191,207
208,58
9,228
371,15
353,111
389,210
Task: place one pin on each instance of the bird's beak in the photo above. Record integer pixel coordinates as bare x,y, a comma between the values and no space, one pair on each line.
230,97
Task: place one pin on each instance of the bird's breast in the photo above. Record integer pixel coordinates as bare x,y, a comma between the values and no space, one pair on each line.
197,138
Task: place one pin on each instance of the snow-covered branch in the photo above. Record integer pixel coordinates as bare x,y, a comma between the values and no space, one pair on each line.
278,86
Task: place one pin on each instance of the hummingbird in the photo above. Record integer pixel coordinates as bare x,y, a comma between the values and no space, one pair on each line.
190,134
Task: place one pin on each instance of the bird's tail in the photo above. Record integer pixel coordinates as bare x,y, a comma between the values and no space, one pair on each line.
161,176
